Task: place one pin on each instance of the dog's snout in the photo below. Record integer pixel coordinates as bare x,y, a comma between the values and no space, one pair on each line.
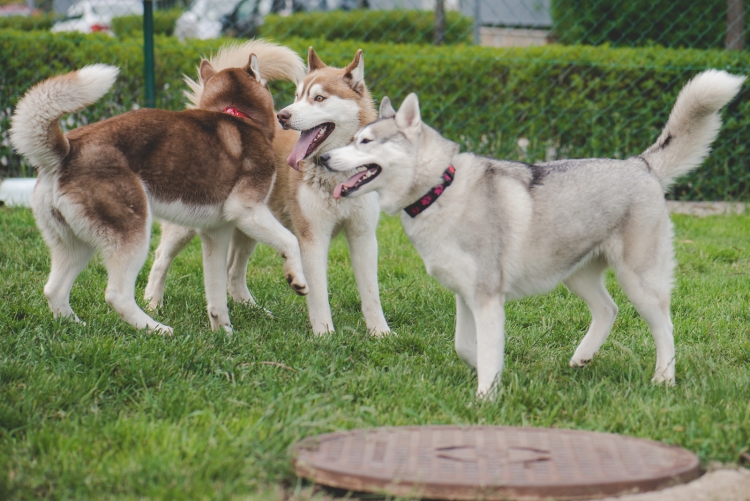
324,159
283,117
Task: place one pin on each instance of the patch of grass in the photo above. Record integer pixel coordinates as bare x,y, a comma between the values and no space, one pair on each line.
105,411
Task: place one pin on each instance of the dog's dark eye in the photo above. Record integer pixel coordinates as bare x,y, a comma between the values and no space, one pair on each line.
365,141
319,98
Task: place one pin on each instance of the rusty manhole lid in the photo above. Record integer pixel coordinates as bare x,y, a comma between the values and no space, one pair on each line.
491,462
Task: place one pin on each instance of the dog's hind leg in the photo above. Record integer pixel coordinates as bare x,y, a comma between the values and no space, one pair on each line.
69,257
241,247
649,291
215,244
123,261
466,333
645,274
174,238
588,284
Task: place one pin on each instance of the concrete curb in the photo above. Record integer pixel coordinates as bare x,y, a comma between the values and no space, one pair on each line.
718,485
701,209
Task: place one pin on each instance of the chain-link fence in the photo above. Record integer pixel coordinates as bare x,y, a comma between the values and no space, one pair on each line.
521,79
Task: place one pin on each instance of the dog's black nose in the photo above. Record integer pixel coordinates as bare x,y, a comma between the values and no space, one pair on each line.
324,159
283,117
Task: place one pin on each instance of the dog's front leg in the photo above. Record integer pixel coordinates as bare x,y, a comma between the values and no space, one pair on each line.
257,222
489,316
315,263
241,247
174,238
363,247
215,243
466,333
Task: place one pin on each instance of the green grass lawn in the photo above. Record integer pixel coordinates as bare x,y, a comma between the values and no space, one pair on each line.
107,412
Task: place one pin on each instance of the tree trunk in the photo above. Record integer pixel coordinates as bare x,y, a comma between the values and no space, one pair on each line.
735,39
440,21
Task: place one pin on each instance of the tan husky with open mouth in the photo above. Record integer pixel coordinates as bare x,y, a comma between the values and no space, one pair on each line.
330,105
99,185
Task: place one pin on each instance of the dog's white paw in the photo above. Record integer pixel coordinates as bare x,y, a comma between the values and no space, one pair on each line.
162,329
298,284
152,303
380,333
487,394
75,318
663,378
581,359
323,330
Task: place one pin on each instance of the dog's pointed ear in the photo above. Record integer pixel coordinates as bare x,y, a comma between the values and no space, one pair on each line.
313,61
253,67
354,73
386,108
206,71
408,115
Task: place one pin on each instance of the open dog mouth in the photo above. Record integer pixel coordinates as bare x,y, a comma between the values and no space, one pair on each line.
309,141
364,175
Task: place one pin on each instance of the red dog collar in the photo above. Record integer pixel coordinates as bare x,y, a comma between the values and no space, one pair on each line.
235,112
432,195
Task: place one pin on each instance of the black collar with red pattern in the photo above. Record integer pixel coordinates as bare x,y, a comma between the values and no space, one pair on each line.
420,205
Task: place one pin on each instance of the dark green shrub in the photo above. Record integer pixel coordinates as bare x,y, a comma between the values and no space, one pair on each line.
571,102
391,26
698,24
164,21
28,23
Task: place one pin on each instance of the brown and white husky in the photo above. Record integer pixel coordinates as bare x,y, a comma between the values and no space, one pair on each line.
330,105
99,186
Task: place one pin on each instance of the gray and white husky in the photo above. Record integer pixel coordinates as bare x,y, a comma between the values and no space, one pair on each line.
492,230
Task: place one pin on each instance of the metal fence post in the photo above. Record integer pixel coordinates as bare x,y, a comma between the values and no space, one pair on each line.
148,52
477,6
735,38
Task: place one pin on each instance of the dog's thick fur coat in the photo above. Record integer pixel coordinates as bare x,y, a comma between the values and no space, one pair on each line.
333,103
504,230
99,185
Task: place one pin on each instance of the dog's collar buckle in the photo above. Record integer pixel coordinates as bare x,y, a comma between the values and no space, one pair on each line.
235,112
420,205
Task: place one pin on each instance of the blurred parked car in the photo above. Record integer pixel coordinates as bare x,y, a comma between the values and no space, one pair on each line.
241,18
203,19
88,16
247,16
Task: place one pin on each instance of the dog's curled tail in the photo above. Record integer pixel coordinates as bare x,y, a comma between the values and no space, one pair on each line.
692,126
35,132
276,63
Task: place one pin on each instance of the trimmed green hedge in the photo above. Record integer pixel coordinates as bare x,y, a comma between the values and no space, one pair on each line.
164,21
568,102
28,23
391,26
699,24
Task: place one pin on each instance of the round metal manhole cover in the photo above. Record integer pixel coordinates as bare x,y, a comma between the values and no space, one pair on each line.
491,462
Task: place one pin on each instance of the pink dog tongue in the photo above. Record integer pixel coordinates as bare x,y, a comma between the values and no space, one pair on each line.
349,183
300,149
